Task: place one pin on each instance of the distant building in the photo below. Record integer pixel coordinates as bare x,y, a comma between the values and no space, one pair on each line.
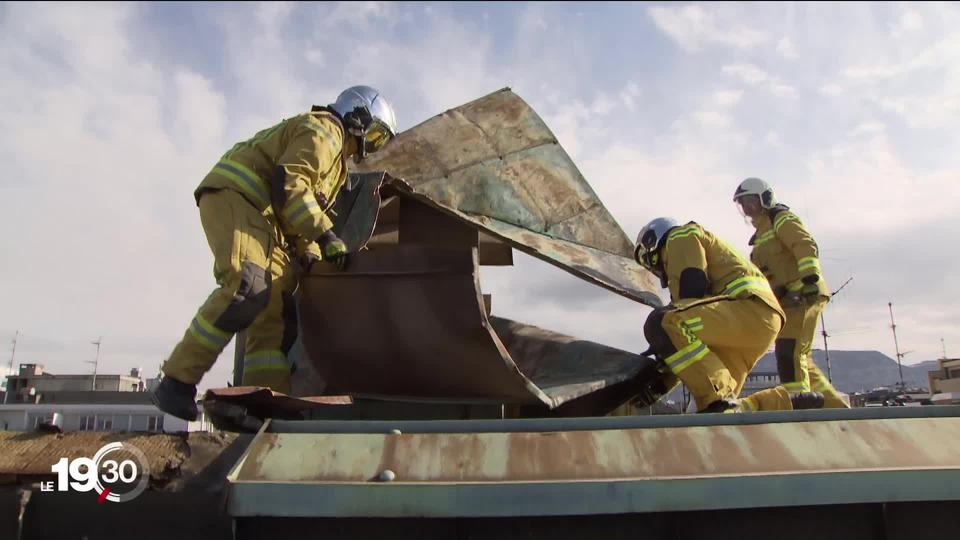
31,382
121,403
945,382
95,411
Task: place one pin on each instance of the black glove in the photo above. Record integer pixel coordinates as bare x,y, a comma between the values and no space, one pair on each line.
810,290
333,249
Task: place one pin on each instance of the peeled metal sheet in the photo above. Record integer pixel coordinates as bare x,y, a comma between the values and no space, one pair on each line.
495,164
567,368
408,321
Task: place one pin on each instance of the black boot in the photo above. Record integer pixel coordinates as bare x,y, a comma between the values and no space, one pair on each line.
807,400
720,406
176,398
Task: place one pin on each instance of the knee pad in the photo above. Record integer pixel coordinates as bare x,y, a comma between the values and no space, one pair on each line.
656,337
784,351
252,297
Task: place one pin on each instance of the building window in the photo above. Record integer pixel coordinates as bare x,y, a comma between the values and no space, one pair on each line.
155,423
86,423
105,424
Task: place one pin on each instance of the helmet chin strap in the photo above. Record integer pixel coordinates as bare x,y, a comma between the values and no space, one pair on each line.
361,149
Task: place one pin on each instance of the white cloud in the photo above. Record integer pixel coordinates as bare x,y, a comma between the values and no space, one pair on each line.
315,56
910,21
787,49
749,73
831,89
693,27
727,98
629,95
879,191
773,139
753,75
867,128
711,118
783,90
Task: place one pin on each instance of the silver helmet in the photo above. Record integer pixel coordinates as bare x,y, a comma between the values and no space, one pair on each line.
367,115
649,242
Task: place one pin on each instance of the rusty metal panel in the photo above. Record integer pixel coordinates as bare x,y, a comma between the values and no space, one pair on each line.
426,334
262,402
408,321
668,468
494,163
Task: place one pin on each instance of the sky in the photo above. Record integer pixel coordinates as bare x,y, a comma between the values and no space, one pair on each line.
114,112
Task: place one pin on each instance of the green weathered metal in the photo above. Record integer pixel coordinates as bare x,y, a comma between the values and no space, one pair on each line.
707,463
495,164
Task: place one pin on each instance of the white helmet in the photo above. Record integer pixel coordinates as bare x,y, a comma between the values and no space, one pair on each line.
756,186
367,115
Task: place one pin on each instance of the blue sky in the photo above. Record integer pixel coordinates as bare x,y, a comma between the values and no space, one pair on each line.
116,111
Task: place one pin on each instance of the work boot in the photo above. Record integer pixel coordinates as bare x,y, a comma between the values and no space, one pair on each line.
177,398
721,406
807,400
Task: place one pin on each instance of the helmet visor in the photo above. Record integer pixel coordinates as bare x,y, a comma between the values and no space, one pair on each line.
376,137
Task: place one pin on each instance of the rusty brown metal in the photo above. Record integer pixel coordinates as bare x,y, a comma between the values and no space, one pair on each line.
409,321
600,465
675,453
494,164
256,398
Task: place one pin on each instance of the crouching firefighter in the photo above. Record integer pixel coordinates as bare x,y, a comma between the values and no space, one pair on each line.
788,257
276,186
722,318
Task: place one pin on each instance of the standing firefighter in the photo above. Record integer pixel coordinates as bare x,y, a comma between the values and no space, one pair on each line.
273,187
722,318
787,255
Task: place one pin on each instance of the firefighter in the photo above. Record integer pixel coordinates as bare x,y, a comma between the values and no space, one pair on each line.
787,255
722,318
263,206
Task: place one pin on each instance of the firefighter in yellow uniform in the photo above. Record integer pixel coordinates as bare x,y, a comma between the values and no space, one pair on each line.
787,255
722,318
268,197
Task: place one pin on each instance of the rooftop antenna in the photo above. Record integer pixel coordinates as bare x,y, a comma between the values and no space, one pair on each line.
96,361
942,344
896,344
6,394
823,330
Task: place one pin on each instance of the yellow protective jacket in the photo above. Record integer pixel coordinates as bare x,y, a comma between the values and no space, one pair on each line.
785,252
309,148
692,248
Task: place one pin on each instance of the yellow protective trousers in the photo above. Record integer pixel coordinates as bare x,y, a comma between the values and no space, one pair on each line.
256,281
798,372
718,341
